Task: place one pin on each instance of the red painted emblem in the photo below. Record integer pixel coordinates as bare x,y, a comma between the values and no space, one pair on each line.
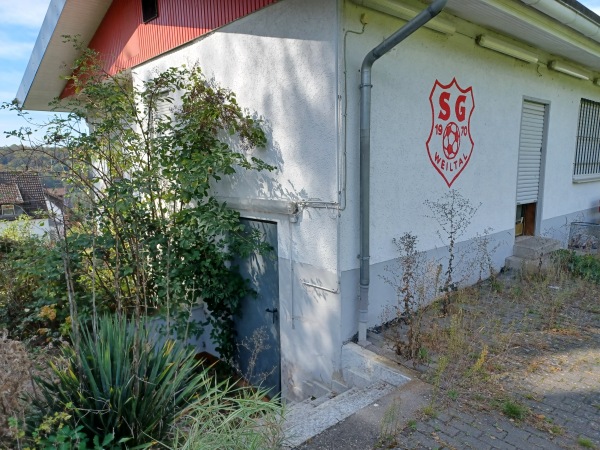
450,144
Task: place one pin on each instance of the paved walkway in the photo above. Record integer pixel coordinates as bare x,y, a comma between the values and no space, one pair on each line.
554,374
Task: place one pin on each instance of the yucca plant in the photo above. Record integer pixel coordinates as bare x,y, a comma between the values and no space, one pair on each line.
120,382
226,417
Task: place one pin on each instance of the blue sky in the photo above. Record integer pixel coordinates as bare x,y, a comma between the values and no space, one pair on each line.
594,5
20,21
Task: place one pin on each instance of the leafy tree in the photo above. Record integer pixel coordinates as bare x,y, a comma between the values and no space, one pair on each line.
146,234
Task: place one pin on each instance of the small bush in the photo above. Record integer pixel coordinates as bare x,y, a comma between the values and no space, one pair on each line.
513,410
33,304
583,266
585,442
119,385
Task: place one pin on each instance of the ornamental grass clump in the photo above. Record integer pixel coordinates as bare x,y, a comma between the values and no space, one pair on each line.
120,384
225,416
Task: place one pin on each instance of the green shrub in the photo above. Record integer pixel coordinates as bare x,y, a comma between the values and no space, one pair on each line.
228,418
32,299
583,266
513,410
55,433
585,442
118,384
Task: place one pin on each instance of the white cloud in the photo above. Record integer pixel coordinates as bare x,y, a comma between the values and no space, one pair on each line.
27,13
6,96
14,50
8,76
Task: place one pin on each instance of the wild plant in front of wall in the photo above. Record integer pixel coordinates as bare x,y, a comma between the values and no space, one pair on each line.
147,235
136,393
404,276
483,250
454,213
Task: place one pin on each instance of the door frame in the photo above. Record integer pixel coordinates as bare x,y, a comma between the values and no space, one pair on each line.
539,205
249,217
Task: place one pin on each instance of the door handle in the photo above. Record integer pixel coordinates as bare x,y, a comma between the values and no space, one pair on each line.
272,311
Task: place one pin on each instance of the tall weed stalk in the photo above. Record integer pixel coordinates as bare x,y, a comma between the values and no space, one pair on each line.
454,213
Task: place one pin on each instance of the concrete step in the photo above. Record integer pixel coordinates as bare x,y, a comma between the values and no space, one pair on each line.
298,411
315,389
362,367
304,421
534,247
368,376
519,264
528,266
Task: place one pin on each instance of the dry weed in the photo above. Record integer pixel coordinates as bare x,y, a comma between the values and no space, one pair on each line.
16,368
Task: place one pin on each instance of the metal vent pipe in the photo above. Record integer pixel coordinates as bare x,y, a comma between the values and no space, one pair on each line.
365,149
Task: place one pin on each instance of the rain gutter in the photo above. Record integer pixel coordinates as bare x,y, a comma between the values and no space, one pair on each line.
575,16
365,149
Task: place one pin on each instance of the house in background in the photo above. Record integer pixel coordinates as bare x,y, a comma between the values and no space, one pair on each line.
497,99
22,197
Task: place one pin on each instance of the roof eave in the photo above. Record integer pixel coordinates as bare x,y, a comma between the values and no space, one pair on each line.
51,57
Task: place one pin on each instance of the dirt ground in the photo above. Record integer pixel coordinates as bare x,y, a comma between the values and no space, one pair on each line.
521,349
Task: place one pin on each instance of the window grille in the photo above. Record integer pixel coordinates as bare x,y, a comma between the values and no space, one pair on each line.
162,111
587,152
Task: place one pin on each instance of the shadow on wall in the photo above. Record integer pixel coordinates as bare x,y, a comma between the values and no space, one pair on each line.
300,128
261,22
310,330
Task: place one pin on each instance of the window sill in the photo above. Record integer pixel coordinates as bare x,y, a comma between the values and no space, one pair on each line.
586,178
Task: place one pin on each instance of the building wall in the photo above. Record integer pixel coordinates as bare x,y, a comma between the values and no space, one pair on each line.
125,41
29,226
286,64
281,62
402,176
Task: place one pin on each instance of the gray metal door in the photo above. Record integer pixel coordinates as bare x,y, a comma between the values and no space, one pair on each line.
257,326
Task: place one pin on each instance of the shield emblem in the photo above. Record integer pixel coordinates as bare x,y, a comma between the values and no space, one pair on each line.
450,144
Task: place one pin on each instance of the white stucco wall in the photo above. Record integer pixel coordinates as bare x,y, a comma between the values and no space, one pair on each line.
286,64
29,226
402,177
281,62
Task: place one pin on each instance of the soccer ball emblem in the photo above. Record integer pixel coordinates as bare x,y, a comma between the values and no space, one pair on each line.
451,140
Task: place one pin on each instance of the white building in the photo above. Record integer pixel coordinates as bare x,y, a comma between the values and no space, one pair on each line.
498,99
24,206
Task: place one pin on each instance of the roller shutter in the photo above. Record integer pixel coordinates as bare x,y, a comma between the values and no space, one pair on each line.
530,152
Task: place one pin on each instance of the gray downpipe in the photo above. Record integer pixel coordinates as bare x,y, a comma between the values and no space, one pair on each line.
365,149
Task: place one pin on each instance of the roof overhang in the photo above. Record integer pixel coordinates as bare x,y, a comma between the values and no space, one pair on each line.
563,28
52,58
559,28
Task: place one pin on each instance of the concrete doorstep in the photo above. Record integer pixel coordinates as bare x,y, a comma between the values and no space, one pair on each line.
370,380
532,254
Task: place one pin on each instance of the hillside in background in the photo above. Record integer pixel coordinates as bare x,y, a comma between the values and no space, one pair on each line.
18,158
